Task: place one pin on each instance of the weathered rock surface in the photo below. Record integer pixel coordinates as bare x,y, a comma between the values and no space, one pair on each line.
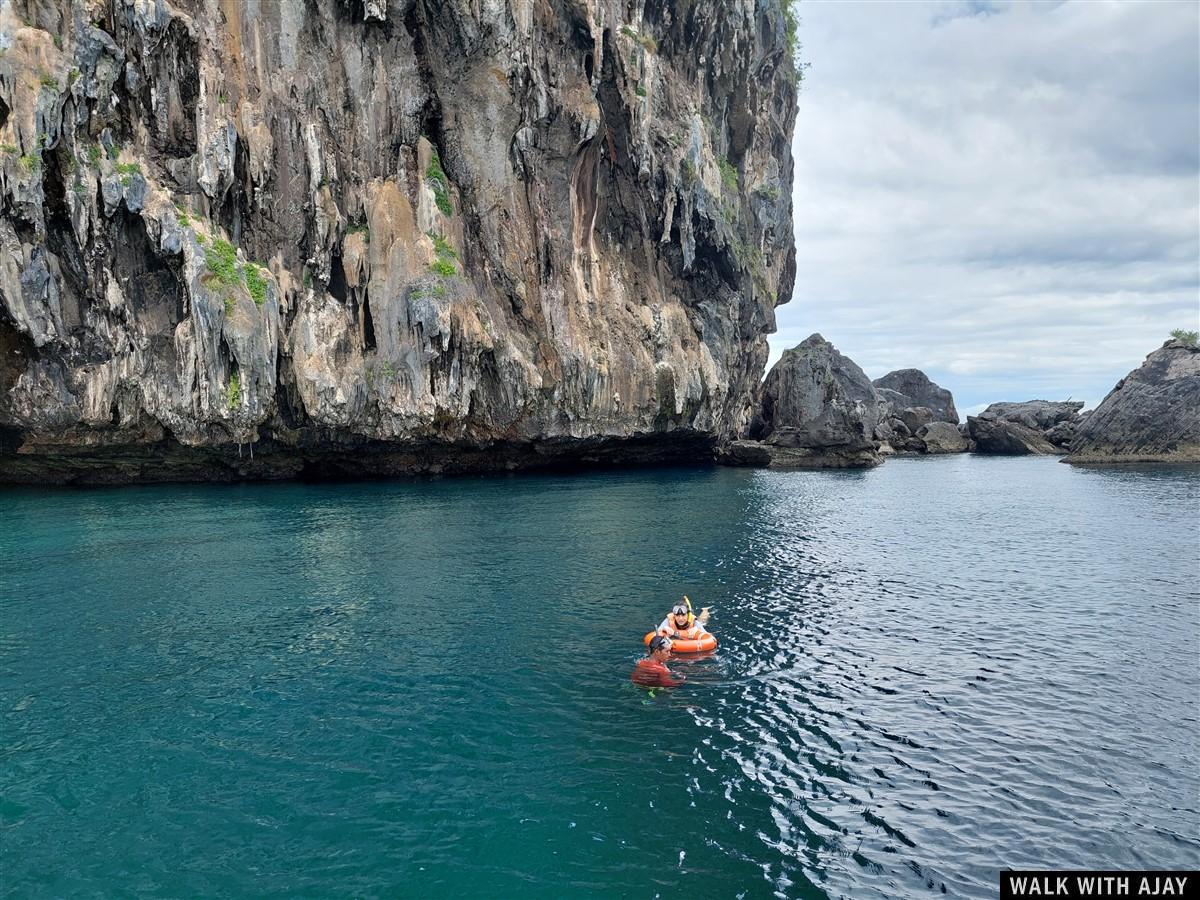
751,453
756,454
1152,415
915,418
819,410
911,388
942,437
1029,427
993,435
965,431
385,237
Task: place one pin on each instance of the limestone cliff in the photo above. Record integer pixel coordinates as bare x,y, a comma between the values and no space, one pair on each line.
385,235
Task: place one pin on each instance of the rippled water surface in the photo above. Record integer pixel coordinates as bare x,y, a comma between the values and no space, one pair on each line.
927,671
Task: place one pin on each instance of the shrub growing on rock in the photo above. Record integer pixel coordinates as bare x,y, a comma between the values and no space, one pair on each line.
1188,337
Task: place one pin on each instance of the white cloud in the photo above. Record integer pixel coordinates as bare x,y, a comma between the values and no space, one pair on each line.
1004,195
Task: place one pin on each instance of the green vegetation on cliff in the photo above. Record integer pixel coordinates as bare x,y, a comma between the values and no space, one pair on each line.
233,394
791,29
255,283
221,260
729,174
228,277
444,265
439,183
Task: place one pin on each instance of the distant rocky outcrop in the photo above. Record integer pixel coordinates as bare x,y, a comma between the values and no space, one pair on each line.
995,435
1030,427
911,403
911,388
1152,415
819,410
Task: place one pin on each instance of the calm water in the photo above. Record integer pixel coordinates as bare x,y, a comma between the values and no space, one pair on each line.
927,671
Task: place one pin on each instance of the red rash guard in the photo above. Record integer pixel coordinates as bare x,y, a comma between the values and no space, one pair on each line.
651,673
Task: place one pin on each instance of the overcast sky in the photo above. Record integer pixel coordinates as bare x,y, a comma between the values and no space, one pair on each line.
1005,195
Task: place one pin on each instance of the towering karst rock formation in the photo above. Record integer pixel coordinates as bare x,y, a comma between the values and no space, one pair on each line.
385,235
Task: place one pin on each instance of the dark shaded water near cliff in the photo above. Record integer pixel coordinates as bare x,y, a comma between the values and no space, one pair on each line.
927,671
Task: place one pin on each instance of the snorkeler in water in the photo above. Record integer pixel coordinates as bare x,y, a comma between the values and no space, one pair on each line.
681,624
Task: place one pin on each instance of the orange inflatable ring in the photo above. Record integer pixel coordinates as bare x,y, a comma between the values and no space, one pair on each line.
701,644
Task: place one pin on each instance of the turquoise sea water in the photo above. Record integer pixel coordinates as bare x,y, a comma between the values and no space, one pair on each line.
928,671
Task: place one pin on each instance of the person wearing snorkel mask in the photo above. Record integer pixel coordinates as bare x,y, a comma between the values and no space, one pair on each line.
681,624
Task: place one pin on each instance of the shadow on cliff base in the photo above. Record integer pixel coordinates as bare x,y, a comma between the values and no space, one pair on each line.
170,461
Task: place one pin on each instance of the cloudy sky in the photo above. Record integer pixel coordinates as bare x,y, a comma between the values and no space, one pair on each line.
1005,195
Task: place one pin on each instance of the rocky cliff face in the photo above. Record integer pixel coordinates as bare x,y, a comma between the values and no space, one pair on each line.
1152,415
385,235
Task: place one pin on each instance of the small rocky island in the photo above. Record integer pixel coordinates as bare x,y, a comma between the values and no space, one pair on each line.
1152,415
919,416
